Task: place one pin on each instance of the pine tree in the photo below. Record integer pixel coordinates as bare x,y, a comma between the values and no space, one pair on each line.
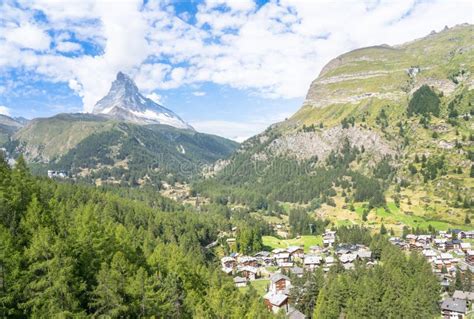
110,298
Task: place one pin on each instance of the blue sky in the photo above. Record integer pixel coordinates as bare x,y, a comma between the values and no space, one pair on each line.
227,67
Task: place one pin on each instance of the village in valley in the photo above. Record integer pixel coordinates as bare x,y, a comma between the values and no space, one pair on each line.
274,271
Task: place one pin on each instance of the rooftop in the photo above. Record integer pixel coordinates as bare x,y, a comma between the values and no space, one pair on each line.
452,304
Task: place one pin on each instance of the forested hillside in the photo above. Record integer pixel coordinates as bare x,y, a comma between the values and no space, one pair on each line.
385,135
69,251
73,251
98,149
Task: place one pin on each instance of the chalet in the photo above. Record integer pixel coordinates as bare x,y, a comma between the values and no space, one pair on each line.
398,242
411,238
329,238
470,257
240,281
228,262
276,301
311,262
281,257
465,295
452,308
447,259
279,283
262,254
429,254
365,255
286,265
456,243
440,243
247,261
444,234
466,234
424,239
249,272
417,246
465,247
347,258
295,252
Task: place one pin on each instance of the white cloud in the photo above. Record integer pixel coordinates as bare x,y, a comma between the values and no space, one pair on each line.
67,46
155,98
274,50
4,110
28,36
199,93
238,130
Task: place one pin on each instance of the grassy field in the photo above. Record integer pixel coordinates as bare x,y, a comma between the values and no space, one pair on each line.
306,241
260,285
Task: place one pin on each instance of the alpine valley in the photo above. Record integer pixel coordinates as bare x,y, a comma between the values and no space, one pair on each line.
360,205
385,135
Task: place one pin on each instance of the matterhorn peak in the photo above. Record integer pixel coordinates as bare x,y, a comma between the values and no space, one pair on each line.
124,102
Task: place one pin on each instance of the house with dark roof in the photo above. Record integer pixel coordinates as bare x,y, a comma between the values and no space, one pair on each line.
452,308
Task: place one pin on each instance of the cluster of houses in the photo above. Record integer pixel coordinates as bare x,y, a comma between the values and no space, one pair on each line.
447,252
292,260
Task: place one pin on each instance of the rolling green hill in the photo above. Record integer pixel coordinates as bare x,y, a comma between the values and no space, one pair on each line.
385,135
99,149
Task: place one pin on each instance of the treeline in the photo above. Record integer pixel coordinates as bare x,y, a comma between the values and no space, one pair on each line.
302,223
398,286
260,184
72,251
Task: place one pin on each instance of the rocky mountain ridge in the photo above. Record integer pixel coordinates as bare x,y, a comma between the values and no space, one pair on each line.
124,102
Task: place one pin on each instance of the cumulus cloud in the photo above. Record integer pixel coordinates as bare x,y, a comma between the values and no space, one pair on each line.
28,37
67,46
275,49
155,98
238,131
199,93
4,110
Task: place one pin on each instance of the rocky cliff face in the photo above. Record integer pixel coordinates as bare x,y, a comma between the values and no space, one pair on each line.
390,73
305,145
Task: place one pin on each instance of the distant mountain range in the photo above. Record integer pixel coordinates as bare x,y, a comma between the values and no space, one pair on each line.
127,139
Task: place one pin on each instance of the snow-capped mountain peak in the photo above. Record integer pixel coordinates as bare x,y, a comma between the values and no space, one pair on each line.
125,102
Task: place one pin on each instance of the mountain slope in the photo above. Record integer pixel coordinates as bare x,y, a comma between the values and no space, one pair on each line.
385,135
125,103
8,126
97,147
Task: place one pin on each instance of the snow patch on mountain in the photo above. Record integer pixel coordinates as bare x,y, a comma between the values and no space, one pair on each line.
124,102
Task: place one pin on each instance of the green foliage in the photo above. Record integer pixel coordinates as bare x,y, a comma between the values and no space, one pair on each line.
397,287
424,102
72,251
301,223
